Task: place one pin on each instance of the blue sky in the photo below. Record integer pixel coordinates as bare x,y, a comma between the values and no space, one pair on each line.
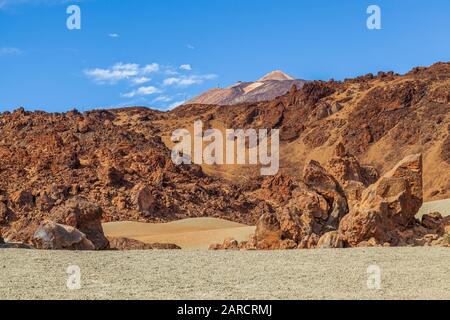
158,53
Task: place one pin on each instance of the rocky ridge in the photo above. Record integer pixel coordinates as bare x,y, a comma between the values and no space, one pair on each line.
316,214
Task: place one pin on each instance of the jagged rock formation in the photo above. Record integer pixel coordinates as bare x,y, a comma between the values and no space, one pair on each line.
79,169
317,215
379,118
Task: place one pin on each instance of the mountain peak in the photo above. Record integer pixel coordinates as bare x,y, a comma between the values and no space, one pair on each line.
276,75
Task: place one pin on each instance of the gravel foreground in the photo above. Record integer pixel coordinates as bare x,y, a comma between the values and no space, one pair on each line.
406,273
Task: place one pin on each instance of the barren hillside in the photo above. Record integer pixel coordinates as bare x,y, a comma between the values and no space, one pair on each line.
120,159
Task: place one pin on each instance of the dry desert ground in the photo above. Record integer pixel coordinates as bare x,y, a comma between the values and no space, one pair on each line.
199,233
406,273
195,273
192,234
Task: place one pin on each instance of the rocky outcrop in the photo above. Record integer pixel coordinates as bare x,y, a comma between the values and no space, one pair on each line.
330,240
324,184
54,236
145,201
353,177
316,215
107,157
387,206
125,244
84,216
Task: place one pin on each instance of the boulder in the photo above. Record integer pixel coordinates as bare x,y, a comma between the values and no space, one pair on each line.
111,176
353,177
317,178
433,221
277,188
54,236
228,244
345,167
145,201
268,231
23,199
387,206
330,240
309,242
84,216
4,213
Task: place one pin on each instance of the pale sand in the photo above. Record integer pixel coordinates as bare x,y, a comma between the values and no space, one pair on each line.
442,206
407,273
192,234
199,233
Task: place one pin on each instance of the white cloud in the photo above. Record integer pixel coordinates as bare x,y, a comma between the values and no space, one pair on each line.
186,67
119,71
142,91
190,46
150,68
114,35
140,80
10,51
185,81
122,71
163,99
175,104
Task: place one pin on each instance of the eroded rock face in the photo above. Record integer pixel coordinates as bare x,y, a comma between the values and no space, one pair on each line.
54,236
277,188
353,177
268,231
387,206
330,240
84,216
382,213
317,178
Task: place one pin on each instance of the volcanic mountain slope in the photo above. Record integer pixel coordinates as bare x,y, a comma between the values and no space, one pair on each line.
47,160
380,119
120,160
272,85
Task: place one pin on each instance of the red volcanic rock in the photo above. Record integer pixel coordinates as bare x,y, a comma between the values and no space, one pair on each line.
4,213
277,188
84,216
330,240
387,206
268,232
111,176
302,216
345,168
350,174
316,177
432,221
53,236
230,244
23,199
145,201
125,244
309,242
